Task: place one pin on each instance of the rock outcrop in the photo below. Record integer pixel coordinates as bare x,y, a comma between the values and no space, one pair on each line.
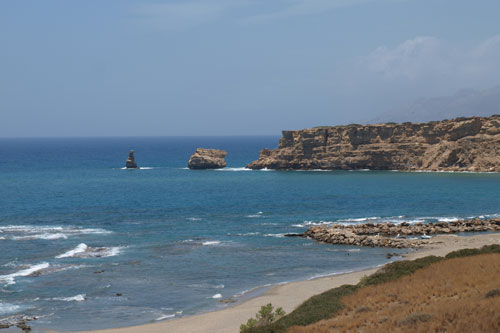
130,164
461,144
207,159
394,235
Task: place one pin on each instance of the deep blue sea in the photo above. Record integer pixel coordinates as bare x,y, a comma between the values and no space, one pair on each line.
85,244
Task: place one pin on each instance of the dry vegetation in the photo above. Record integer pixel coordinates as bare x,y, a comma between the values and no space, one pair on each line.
456,295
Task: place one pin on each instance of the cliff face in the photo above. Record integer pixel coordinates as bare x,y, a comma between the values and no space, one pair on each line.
461,144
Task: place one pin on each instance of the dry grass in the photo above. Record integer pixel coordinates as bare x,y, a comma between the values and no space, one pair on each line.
456,295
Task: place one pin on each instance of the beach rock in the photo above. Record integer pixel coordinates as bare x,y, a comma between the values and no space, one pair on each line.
130,163
207,159
380,235
461,144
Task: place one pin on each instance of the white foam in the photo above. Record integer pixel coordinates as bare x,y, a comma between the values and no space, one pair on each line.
328,274
47,236
275,235
447,219
211,243
193,218
145,168
165,317
10,278
361,219
219,286
217,296
6,308
35,232
246,234
77,298
311,223
234,169
84,251
80,248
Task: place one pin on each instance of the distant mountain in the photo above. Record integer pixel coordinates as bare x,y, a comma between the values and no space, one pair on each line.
465,103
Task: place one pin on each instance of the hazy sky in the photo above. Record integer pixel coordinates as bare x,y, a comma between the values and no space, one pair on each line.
222,67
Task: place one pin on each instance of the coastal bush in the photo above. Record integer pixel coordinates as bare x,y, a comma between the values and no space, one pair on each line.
265,316
329,303
452,295
397,269
495,248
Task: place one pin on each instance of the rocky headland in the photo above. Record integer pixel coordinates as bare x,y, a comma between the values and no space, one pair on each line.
461,144
207,159
391,235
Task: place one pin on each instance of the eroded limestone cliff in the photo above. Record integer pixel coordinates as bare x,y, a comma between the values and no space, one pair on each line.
461,144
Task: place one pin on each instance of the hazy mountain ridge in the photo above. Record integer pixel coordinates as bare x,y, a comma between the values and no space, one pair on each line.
464,103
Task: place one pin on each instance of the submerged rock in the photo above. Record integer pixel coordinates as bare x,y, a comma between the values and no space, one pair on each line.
207,159
130,164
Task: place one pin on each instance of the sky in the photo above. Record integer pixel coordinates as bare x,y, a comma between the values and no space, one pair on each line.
233,67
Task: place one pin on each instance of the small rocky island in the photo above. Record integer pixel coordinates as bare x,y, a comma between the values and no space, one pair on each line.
207,159
130,163
461,144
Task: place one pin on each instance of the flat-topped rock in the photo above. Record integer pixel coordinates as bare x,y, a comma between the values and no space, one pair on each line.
461,144
207,159
130,163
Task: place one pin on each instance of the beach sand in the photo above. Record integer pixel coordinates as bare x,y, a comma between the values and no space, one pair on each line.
290,295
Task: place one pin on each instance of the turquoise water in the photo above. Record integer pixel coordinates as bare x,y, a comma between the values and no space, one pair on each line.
173,242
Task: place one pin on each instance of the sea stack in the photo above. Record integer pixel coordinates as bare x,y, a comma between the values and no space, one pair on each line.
130,164
207,159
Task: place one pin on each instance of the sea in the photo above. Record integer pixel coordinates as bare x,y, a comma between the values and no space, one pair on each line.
87,244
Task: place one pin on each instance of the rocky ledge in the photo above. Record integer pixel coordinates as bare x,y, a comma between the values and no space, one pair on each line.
461,144
207,159
392,235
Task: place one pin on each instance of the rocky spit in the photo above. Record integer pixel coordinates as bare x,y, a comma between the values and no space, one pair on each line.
461,144
207,159
399,236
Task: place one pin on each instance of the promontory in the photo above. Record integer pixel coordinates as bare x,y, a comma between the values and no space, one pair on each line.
461,144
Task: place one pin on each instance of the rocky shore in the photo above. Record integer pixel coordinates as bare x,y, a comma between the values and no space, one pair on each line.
402,235
461,144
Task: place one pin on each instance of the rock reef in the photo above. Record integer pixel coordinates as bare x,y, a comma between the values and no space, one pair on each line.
207,159
393,235
130,163
461,144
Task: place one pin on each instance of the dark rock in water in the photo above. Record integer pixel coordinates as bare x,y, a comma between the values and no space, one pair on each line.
118,294
17,320
294,235
226,301
130,164
99,272
207,159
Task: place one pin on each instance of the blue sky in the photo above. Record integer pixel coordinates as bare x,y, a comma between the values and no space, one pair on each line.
226,67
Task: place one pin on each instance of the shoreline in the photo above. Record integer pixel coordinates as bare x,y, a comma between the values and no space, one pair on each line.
290,295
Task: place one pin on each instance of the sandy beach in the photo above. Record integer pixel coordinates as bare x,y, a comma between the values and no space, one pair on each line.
290,295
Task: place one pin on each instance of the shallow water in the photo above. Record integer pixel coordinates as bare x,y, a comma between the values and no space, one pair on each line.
76,230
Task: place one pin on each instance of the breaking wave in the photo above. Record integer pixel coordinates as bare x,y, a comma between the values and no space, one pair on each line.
84,251
10,278
32,232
